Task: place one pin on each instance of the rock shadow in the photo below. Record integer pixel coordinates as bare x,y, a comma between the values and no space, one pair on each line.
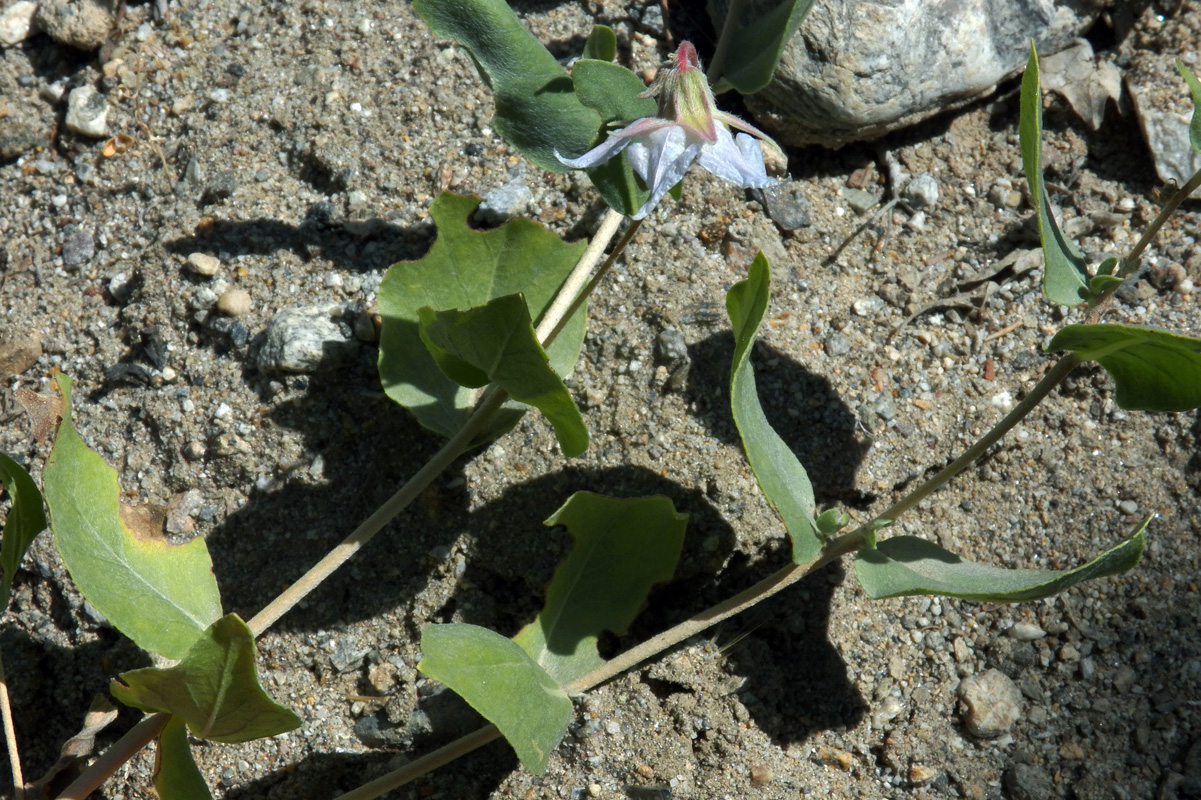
800,405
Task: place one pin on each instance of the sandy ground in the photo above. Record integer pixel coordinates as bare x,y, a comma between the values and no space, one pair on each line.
300,144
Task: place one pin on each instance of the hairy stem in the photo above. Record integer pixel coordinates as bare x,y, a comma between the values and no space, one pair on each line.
10,738
121,751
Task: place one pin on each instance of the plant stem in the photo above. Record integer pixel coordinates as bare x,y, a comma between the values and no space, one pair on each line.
10,738
725,41
427,763
596,279
121,751
569,297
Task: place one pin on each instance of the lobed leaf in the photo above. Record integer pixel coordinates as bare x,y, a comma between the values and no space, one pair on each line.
1065,278
26,519
466,268
906,565
758,42
176,776
537,110
1194,85
622,548
497,343
500,681
214,689
1152,369
601,44
161,595
780,475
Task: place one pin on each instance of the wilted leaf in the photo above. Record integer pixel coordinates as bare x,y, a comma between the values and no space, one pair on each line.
1152,369
783,480
907,565
44,411
496,343
1086,83
500,681
100,715
623,547
161,595
214,689
26,519
466,268
1065,279
176,776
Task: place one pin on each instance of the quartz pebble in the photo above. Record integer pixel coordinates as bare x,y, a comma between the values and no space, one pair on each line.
992,703
1026,632
306,339
16,22
921,192
204,264
234,302
87,112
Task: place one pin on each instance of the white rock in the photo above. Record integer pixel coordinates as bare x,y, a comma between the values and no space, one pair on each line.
204,264
1026,632
87,112
992,703
234,302
16,22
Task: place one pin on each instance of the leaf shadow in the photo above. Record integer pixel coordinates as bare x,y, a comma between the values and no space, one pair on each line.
801,405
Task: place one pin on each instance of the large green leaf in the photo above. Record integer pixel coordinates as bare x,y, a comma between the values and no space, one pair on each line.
466,268
1152,369
500,681
781,476
26,519
1065,278
537,110
622,548
161,595
907,565
758,41
1194,86
497,343
214,689
176,776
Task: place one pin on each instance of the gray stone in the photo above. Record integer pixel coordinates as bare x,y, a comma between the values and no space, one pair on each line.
785,203
837,344
16,22
504,203
18,138
1163,103
921,192
1026,632
859,200
1027,782
78,246
670,347
83,24
222,186
855,71
992,703
306,339
87,112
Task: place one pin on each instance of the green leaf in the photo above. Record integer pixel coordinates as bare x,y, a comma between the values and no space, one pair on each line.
214,689
612,91
161,595
1065,278
26,519
497,343
601,44
176,776
466,268
781,476
907,565
537,110
758,41
500,681
1194,85
1152,369
622,548
1102,283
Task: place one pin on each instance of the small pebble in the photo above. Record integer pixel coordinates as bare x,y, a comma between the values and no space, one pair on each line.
1124,678
1027,782
594,790
16,22
204,264
194,451
87,112
921,192
991,702
1026,632
78,247
1128,507
234,302
837,344
760,775
306,340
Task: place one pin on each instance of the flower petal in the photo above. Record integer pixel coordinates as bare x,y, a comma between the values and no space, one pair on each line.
661,158
740,163
597,155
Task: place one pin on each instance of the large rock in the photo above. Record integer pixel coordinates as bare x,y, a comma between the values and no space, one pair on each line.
860,68
84,24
